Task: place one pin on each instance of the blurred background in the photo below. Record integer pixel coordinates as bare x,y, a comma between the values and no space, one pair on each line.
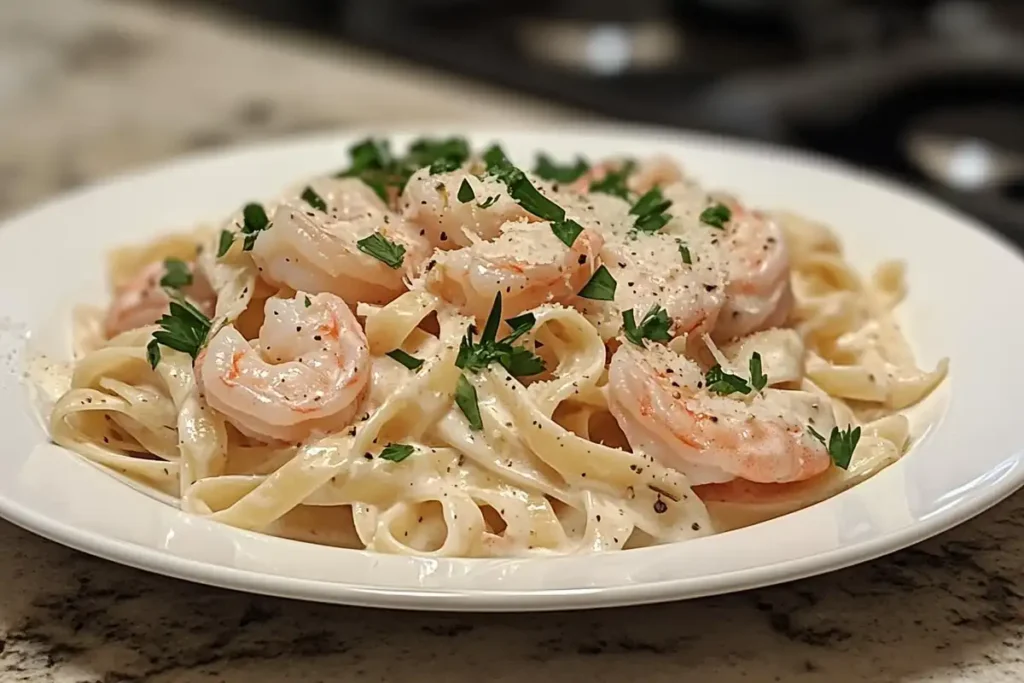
928,91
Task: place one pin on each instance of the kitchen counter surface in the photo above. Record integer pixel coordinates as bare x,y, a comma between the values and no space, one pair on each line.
90,88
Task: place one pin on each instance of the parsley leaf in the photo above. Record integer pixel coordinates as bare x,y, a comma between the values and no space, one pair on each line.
254,221
444,165
177,274
614,182
310,196
530,198
227,238
684,251
308,302
396,452
841,444
411,362
566,230
548,169
384,250
716,215
495,159
153,353
650,211
466,400
475,356
489,201
655,325
466,193
720,382
758,380
183,328
430,151
600,287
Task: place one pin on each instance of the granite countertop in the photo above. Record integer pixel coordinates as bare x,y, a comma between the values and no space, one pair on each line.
89,88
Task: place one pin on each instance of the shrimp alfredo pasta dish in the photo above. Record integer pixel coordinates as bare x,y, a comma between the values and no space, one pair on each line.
442,353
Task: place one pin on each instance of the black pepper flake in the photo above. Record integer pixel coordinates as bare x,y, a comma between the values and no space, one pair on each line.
444,236
582,259
430,265
660,507
710,288
695,526
368,456
316,337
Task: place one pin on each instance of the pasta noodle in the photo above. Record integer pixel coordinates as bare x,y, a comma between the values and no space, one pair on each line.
394,418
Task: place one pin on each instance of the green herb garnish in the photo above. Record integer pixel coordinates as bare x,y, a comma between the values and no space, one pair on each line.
841,444
716,215
614,182
396,452
310,196
442,153
308,302
684,251
153,353
183,328
384,250
466,400
227,238
600,287
520,362
758,380
177,274
655,325
530,198
720,382
254,221
650,211
560,173
466,193
411,362
488,202
567,231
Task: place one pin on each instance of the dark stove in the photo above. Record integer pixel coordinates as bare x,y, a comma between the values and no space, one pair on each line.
928,91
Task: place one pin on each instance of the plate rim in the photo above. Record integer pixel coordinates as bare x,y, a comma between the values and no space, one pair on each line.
476,599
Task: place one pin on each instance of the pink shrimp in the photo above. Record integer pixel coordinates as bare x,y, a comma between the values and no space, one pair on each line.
661,403
307,372
142,301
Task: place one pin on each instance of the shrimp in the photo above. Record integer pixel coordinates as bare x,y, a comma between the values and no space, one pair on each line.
306,248
528,264
758,293
656,171
431,202
307,372
142,301
659,400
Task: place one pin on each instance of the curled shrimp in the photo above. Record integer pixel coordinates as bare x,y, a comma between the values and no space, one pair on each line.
315,249
142,301
528,264
758,292
656,171
661,404
432,203
308,371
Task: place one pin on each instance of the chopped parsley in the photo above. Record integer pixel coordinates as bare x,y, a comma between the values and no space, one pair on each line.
183,328
375,164
177,274
310,196
841,444
758,380
466,193
650,211
227,238
396,452
446,152
716,215
614,182
548,169
444,165
466,400
488,202
411,362
721,382
600,287
567,231
520,362
308,302
153,353
655,325
384,250
684,251
254,221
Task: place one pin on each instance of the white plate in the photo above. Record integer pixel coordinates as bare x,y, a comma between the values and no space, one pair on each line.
963,285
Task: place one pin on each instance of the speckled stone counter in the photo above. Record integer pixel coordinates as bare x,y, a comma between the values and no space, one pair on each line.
88,89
